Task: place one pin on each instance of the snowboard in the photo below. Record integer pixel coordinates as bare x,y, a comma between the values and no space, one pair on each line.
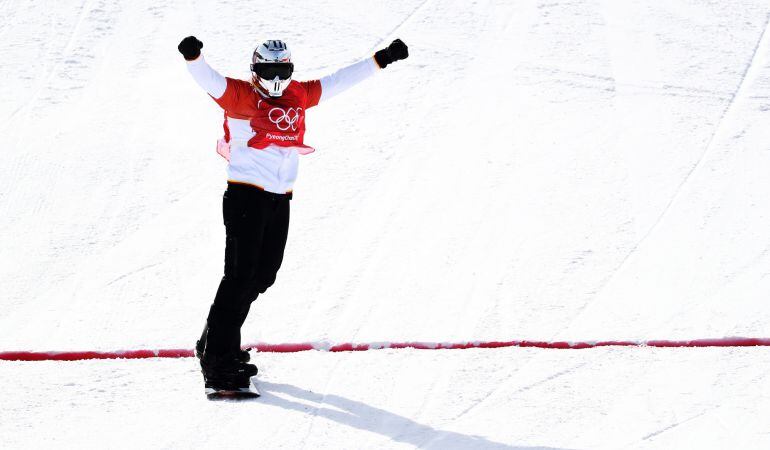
233,394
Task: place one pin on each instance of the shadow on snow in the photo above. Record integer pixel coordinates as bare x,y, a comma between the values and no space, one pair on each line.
364,417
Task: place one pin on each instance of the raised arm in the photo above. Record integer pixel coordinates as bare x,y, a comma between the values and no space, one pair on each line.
349,76
206,77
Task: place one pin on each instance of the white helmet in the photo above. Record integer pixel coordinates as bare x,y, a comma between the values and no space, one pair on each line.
271,67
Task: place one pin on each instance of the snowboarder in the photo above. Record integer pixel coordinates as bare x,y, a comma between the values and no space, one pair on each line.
264,127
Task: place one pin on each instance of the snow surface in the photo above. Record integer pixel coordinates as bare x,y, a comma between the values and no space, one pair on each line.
535,170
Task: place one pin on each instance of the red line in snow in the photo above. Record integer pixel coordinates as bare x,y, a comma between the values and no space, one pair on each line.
352,347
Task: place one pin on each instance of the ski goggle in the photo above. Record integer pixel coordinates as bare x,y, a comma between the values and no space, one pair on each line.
269,71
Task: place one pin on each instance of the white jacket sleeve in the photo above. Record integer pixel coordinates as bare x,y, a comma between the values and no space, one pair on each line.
347,77
206,77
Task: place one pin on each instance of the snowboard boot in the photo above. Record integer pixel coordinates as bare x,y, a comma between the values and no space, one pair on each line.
200,345
242,355
226,372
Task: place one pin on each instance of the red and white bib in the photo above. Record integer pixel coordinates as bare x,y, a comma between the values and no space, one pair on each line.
274,120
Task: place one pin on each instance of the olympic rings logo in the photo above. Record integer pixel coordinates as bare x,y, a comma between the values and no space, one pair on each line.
285,119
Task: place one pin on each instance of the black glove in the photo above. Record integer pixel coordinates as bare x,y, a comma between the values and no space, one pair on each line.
395,51
190,47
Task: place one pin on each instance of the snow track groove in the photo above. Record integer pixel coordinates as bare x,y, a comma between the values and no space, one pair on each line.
47,79
717,128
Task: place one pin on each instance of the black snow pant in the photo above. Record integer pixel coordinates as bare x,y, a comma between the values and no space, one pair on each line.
256,224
